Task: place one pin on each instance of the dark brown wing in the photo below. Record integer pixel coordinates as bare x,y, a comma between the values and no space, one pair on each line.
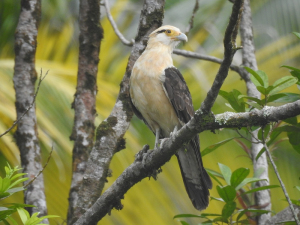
196,180
178,94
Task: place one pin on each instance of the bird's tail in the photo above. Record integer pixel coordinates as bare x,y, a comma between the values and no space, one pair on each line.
195,178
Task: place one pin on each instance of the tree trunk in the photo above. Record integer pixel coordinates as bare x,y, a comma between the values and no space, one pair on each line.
260,166
91,34
24,79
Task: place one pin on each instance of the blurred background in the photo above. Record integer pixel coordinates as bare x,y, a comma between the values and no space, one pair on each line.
148,202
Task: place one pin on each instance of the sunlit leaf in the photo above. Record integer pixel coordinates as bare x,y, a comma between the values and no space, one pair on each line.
226,172
261,188
255,78
247,181
289,97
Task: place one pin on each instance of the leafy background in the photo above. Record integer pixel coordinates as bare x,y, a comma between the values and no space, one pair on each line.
148,202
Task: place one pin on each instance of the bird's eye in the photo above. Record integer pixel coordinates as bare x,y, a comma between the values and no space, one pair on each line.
168,31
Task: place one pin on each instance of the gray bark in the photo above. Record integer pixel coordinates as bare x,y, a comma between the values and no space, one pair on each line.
260,166
91,34
24,80
109,134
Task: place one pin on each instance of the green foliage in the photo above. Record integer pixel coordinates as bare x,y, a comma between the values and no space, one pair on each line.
231,194
7,188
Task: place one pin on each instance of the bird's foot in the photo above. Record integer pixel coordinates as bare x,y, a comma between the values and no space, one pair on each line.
140,155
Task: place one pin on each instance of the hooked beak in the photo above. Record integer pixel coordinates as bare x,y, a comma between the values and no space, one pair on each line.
182,37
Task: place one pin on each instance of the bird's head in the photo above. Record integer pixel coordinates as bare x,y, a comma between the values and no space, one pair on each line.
167,35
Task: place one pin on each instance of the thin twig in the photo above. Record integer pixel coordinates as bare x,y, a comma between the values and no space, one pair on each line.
242,136
30,106
196,55
280,181
36,176
191,23
115,27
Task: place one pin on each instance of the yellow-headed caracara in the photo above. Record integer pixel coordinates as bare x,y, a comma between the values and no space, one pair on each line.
163,101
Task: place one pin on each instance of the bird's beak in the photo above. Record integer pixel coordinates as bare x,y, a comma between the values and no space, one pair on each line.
182,37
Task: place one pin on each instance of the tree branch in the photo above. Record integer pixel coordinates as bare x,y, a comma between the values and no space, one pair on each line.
230,49
91,34
24,83
109,134
149,161
191,23
115,27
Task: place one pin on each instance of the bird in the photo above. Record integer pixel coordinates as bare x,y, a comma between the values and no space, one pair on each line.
160,97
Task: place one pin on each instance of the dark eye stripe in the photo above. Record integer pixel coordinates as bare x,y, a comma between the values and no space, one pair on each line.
160,31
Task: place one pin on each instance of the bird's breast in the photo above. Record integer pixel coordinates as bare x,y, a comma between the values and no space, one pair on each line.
149,97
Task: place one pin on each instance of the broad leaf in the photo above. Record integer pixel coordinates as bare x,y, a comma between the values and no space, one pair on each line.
260,153
255,78
228,209
243,211
289,97
238,176
227,193
291,120
275,97
255,105
184,223
294,138
283,83
226,172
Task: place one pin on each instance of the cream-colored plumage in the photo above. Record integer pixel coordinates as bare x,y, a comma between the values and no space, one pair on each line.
160,97
148,94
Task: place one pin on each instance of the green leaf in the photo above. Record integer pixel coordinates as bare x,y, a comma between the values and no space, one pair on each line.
214,177
266,131
297,148
255,78
247,181
262,90
23,215
224,94
297,187
228,209
18,181
243,211
297,34
261,188
283,83
227,193
184,223
275,97
289,97
291,68
226,172
291,120
187,215
294,138
260,153
209,214
217,199
252,99
234,100
255,105
4,184
214,147
238,176
14,190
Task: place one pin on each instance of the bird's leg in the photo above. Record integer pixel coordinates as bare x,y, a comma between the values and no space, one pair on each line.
157,132
174,131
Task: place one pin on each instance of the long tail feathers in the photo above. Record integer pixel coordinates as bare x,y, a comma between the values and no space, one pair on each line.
195,178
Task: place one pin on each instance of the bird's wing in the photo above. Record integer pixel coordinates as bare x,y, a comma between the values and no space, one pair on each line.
178,94
196,180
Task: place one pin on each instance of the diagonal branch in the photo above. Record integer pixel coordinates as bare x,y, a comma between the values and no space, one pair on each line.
230,49
149,161
191,23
